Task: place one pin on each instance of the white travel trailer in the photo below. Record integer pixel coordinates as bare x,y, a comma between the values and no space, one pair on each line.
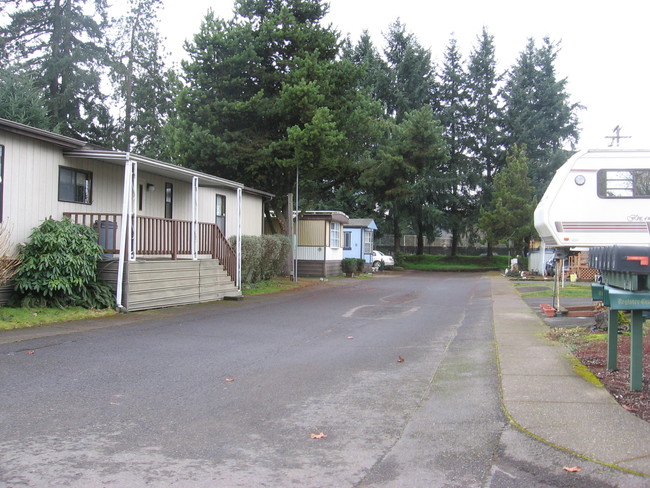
597,198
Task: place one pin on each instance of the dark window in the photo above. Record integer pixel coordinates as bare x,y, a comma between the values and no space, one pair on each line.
75,185
624,183
347,240
220,213
169,200
2,177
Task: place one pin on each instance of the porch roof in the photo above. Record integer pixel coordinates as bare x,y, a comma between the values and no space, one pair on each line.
153,166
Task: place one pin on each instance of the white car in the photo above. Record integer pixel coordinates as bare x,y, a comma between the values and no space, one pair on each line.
379,257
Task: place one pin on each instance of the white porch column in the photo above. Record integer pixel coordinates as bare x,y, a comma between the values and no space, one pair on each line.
240,203
195,217
133,213
129,204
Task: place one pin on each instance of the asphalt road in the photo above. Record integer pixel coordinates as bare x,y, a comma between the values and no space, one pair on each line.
398,372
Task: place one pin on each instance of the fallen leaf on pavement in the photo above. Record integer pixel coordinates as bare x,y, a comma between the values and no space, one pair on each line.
318,436
400,359
30,352
230,380
575,469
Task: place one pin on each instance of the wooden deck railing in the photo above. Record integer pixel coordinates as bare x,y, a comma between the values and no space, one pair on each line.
161,237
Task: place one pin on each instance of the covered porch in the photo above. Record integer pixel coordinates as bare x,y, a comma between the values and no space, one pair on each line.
154,261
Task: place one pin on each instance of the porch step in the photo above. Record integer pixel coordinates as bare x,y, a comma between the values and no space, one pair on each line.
167,283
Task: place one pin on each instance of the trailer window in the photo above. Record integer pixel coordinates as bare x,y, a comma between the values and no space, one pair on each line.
629,183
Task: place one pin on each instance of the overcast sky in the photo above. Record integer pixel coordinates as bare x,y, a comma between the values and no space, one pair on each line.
604,45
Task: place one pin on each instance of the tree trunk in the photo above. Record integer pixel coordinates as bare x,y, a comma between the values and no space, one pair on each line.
396,235
455,238
420,249
489,250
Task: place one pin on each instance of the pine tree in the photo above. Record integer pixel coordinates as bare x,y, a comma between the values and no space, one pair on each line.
267,96
538,112
403,82
511,218
421,145
460,198
486,116
21,101
411,73
144,87
61,47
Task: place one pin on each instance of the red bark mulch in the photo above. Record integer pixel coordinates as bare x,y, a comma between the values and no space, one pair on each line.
594,356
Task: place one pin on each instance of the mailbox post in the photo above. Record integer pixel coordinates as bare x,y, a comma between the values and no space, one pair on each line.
625,271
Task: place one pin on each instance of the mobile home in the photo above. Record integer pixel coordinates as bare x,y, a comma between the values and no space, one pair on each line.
164,228
358,239
320,243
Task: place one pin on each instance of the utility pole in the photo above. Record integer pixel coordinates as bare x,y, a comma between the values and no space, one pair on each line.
617,137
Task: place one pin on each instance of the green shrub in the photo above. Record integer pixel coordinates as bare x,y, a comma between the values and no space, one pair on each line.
263,257
349,265
275,249
352,265
59,268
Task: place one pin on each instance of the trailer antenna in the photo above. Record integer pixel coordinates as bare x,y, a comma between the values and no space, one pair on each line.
617,130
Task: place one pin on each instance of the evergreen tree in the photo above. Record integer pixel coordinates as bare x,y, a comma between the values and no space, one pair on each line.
61,46
144,87
460,198
376,76
409,173
421,145
404,82
411,74
267,97
538,113
485,117
21,101
511,218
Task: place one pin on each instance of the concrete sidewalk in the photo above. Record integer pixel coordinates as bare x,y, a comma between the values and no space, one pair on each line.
543,395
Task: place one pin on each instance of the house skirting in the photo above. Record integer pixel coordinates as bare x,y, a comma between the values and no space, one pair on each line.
319,268
169,283
5,292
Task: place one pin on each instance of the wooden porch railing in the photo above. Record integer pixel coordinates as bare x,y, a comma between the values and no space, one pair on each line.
161,237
